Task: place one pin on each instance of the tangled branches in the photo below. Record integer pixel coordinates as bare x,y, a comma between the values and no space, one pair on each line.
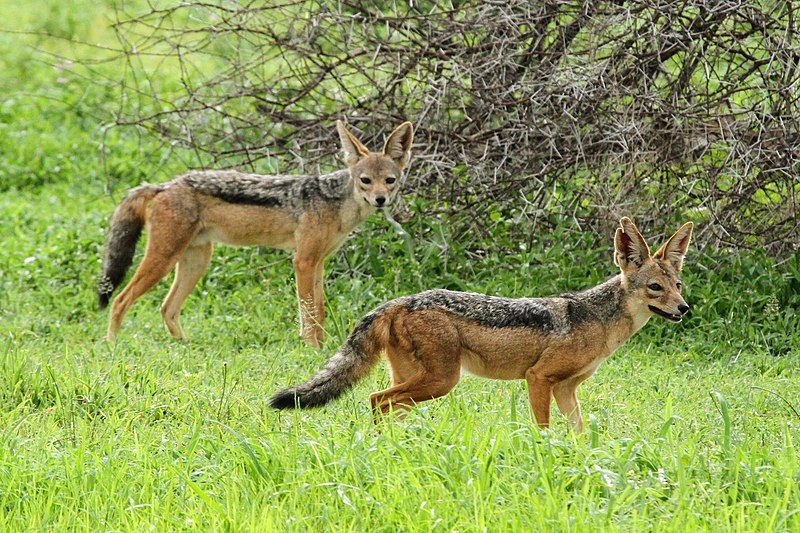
534,111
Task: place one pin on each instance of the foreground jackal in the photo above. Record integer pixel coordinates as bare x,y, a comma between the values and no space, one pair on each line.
553,343
310,214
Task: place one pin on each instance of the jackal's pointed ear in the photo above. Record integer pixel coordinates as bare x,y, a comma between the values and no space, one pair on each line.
351,146
630,248
398,144
674,250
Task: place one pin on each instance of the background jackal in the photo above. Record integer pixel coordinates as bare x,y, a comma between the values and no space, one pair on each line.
186,216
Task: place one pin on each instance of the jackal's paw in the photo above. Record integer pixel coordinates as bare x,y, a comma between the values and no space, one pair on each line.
312,337
312,341
178,335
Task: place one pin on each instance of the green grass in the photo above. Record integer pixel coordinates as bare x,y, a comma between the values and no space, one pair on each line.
689,426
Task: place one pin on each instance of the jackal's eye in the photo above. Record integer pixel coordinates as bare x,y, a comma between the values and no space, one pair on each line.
389,181
366,181
654,287
679,285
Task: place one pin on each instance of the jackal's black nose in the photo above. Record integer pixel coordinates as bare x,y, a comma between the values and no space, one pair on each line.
380,200
683,308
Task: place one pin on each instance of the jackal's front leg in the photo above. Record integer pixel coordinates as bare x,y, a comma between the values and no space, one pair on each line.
566,395
319,301
540,390
310,325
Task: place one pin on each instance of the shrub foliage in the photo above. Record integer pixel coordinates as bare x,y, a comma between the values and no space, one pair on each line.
534,112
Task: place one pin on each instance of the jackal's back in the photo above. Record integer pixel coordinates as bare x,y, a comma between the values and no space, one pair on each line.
488,311
555,314
281,191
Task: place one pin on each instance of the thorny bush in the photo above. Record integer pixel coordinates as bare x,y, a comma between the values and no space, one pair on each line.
529,113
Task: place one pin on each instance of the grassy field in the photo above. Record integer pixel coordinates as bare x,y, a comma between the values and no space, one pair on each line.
689,427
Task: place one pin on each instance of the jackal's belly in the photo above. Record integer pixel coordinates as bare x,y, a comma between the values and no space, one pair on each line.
245,225
499,353
477,365
278,240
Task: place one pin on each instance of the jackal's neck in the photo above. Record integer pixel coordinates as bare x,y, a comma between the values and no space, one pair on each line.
631,312
614,303
604,302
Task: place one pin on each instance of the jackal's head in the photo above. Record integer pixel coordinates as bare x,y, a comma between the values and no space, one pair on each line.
376,175
654,280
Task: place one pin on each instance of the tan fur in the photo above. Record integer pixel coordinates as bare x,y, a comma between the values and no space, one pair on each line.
427,345
182,225
425,362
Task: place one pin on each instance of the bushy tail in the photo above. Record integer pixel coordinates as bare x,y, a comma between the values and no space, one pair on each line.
124,230
355,358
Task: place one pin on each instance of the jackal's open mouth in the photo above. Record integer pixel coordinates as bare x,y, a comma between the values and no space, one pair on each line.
668,316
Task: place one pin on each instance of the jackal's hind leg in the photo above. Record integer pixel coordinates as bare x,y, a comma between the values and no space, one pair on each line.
151,270
168,236
188,272
418,389
430,371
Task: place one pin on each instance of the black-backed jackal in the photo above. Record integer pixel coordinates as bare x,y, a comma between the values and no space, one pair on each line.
553,343
312,215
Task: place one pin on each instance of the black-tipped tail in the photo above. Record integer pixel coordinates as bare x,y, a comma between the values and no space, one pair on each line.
293,399
103,298
353,361
124,231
